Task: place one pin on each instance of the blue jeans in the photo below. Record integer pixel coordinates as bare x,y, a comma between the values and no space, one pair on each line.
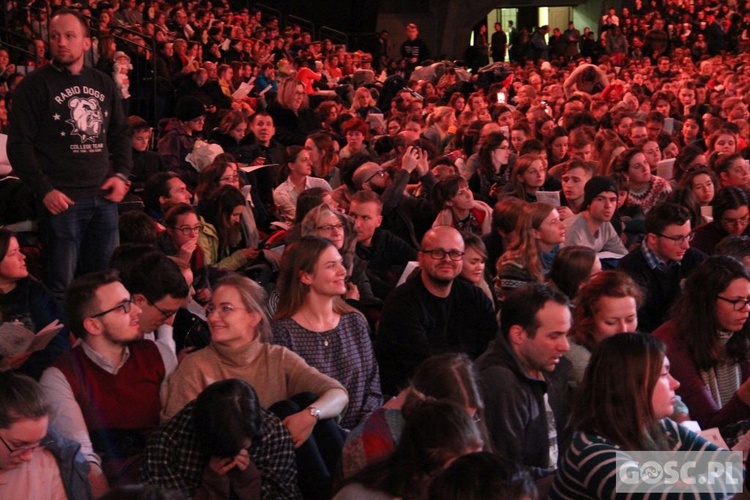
78,241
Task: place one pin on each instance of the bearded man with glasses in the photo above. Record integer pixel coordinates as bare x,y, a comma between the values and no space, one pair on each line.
433,312
105,392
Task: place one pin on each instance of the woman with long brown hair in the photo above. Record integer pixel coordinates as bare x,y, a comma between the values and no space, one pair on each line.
535,243
633,369
708,341
313,321
322,150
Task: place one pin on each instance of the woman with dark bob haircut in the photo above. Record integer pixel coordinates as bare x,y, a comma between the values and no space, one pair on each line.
24,299
625,400
708,341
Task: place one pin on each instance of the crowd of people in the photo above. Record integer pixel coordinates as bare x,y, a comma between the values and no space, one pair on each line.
313,273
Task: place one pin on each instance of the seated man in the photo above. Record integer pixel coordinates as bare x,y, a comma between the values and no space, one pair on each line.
35,460
574,175
432,313
105,391
241,448
593,227
662,263
385,253
162,191
265,150
159,289
523,377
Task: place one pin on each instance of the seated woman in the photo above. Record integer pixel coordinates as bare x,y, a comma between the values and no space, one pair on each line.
231,135
606,305
537,240
707,340
326,222
221,238
449,377
702,182
313,321
730,217
240,348
323,155
646,189
24,299
456,207
529,175
435,434
223,444
631,368
475,260
572,268
180,240
493,172
298,178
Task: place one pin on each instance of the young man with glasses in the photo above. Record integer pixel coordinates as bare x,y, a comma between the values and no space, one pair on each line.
35,460
159,289
433,312
105,392
663,262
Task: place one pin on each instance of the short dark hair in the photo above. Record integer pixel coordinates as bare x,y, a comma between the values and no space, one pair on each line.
521,306
734,246
665,214
226,414
137,227
21,397
728,198
80,298
155,187
154,275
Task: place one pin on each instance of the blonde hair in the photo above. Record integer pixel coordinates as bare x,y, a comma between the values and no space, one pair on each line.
285,94
253,298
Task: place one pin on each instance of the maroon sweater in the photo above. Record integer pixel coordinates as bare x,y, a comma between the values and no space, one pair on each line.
128,401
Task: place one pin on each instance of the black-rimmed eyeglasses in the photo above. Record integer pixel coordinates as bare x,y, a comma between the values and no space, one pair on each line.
125,305
439,254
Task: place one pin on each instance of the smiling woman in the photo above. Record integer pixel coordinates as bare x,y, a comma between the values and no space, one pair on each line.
239,349
314,322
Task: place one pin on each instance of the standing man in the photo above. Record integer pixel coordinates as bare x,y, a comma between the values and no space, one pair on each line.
413,49
499,43
67,136
512,37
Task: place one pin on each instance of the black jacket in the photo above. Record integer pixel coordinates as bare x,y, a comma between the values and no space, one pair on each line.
515,411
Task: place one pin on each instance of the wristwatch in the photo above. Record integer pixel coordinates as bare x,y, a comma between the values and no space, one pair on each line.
315,412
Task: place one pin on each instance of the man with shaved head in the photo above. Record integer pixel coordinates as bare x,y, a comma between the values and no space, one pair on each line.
433,312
